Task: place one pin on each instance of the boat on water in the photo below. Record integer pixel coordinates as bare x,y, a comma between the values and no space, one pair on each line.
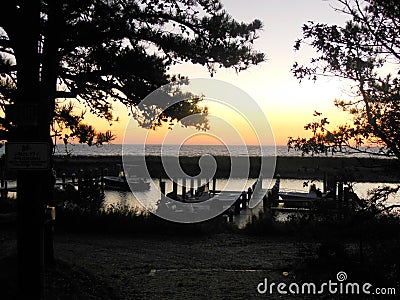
125,183
314,197
200,195
298,199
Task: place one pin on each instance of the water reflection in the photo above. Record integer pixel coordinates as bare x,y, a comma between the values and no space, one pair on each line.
114,198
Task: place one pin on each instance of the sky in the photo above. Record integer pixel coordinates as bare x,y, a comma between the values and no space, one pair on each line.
287,104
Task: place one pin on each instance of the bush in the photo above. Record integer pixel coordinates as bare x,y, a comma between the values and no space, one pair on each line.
122,219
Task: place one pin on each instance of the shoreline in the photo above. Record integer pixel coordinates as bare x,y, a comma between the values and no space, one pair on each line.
290,167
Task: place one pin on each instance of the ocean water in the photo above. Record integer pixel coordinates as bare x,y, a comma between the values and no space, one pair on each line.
175,150
187,150
184,150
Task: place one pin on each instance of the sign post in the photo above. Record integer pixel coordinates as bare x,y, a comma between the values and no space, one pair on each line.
30,125
27,156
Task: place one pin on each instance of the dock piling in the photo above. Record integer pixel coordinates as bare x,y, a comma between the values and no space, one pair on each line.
183,188
175,187
243,200
249,194
340,195
63,179
192,187
214,184
73,177
162,188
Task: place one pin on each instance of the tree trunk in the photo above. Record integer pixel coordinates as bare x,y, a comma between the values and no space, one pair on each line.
48,87
31,190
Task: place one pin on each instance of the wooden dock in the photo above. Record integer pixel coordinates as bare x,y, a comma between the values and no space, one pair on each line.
234,205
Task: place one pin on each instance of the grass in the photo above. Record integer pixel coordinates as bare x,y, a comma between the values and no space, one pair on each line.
124,220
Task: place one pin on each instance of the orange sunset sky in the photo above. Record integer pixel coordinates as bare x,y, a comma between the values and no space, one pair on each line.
287,104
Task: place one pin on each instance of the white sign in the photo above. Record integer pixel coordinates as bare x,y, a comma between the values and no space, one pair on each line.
27,156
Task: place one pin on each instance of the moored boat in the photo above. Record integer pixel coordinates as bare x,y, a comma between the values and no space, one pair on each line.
124,183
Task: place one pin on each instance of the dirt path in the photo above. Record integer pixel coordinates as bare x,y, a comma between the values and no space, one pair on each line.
220,266
223,266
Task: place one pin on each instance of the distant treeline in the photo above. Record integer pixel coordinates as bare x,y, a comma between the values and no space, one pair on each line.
351,169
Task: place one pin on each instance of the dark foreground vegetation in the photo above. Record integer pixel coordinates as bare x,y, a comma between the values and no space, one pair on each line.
365,246
123,254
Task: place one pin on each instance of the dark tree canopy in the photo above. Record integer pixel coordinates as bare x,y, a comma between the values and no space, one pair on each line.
105,51
365,52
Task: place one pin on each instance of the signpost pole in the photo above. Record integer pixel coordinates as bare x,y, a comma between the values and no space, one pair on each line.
29,149
31,190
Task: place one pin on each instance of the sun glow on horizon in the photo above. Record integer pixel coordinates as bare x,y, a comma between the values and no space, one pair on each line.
287,104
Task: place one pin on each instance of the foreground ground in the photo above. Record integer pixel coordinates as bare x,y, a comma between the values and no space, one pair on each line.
221,266
214,266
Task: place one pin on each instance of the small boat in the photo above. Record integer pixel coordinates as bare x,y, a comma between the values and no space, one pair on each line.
122,183
297,199
202,194
299,196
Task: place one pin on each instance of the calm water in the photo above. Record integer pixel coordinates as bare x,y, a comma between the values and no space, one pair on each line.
128,199
175,150
184,150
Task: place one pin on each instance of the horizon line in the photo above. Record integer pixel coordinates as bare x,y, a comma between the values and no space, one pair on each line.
74,144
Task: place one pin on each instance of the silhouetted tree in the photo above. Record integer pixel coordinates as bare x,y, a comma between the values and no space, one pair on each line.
366,53
99,51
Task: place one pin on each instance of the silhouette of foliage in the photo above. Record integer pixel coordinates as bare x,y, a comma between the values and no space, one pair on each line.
366,53
69,126
176,105
361,52
106,51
